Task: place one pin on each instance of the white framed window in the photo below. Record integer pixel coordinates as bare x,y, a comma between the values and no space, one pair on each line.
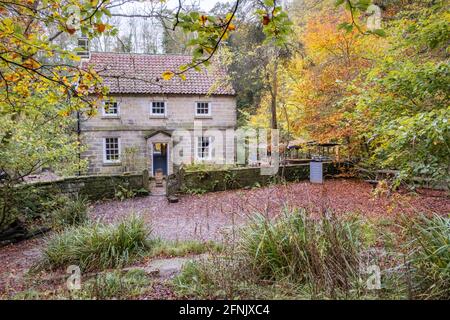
158,108
204,148
110,109
203,109
111,150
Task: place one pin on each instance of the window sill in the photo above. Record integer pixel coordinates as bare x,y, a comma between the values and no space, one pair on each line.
112,164
110,117
203,117
154,116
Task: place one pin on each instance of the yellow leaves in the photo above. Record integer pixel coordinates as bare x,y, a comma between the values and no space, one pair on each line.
31,64
64,113
73,57
167,75
183,77
208,49
7,25
229,16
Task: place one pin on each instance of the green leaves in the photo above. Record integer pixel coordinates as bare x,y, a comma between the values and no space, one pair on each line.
379,32
276,25
348,27
408,101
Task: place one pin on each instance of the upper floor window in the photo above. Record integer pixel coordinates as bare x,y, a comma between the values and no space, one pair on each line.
203,109
158,108
204,148
111,150
110,109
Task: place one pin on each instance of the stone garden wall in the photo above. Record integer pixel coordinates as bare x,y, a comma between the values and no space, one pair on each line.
95,187
235,178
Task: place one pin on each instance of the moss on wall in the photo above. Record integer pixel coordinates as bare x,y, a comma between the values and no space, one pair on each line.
96,187
235,178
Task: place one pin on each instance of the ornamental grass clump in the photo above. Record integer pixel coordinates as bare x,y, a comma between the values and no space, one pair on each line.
429,256
321,253
97,246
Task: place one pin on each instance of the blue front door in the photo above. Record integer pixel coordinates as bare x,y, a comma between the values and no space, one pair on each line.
160,157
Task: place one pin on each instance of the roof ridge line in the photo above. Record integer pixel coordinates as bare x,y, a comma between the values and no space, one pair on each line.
142,54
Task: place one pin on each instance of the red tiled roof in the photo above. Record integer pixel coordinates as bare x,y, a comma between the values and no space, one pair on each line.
141,74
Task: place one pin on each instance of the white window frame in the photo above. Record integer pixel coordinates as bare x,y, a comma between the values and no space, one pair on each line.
197,148
158,114
118,147
111,115
203,114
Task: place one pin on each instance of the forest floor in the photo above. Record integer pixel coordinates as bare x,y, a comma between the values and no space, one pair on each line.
215,216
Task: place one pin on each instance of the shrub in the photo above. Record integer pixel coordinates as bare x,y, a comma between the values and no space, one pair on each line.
66,211
97,246
124,192
21,203
429,256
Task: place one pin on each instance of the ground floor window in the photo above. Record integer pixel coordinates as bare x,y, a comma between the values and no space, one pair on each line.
111,150
204,148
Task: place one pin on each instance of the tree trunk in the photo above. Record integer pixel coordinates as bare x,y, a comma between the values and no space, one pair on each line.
273,106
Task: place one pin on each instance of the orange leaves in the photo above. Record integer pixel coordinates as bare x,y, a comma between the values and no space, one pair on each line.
203,19
100,27
31,64
231,27
13,77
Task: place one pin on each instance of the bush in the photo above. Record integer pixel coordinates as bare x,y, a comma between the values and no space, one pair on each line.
21,203
429,256
96,246
67,211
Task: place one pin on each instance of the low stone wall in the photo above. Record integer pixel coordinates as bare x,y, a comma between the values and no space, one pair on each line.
95,187
220,180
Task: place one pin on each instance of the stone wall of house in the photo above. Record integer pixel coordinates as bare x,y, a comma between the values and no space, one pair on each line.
95,187
136,149
134,113
246,177
135,124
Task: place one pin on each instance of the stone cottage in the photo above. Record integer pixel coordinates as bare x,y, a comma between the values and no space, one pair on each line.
155,124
